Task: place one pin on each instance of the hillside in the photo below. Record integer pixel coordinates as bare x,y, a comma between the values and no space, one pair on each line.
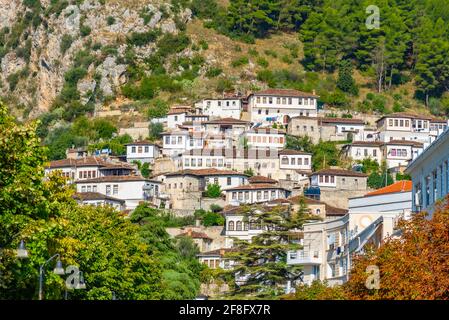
64,59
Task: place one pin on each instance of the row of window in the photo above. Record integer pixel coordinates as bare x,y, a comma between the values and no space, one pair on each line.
263,139
178,140
327,179
304,128
87,174
399,123
113,187
398,152
284,160
243,226
88,188
226,103
266,195
438,126
366,152
270,100
437,183
140,149
212,263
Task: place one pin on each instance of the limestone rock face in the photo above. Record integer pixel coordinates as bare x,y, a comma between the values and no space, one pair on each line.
40,73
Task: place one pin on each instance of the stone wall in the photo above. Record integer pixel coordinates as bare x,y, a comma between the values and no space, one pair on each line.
339,198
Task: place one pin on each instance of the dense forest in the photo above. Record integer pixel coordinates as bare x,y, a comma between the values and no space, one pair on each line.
411,42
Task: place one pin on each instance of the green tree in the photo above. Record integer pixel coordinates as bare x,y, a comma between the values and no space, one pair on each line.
345,81
213,190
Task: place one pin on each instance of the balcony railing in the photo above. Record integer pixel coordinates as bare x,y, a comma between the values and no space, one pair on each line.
303,257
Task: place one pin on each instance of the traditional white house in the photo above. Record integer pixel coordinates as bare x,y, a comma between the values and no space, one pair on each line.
279,105
360,150
226,179
265,138
404,126
295,160
399,153
255,193
143,151
231,127
215,259
178,141
131,189
98,199
227,107
88,168
339,179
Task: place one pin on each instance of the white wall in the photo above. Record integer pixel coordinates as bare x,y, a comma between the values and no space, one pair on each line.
147,154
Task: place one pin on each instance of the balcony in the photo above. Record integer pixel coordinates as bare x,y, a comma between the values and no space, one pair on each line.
302,257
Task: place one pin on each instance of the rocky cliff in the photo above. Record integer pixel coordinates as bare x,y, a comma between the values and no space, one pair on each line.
41,40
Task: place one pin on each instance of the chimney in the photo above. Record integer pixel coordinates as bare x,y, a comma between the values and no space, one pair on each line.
222,252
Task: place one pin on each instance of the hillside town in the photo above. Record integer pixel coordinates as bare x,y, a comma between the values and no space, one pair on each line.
229,154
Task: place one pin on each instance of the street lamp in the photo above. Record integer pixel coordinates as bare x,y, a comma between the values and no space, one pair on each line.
59,270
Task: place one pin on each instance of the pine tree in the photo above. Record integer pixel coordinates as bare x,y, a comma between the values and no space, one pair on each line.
345,81
262,261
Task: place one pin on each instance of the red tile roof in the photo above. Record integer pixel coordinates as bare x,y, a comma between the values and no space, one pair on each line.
400,186
284,92
341,120
116,179
257,186
405,115
405,143
367,143
261,179
94,196
226,121
194,234
82,162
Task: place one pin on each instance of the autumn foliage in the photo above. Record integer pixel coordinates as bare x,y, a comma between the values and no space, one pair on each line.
412,266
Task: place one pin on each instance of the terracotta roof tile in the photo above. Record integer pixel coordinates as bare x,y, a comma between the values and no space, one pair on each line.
94,196
261,179
194,234
400,186
257,186
405,143
284,92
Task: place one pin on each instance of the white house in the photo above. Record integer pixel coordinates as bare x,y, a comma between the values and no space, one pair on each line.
231,127
404,126
88,168
178,141
227,107
143,151
339,179
398,153
131,189
255,193
295,160
360,150
279,105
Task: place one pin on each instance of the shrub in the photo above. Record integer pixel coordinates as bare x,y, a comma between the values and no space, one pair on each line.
203,44
262,62
253,52
213,219
287,59
213,191
224,85
110,20
240,62
213,72
158,109
85,30
271,53
140,39
170,43
66,43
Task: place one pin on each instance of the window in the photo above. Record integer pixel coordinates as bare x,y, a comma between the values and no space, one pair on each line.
231,226
83,189
133,149
288,177
259,195
365,152
200,162
94,188
259,111
284,160
173,140
215,180
246,195
239,226
396,122
208,163
401,123
407,123
321,179
186,162
264,99
176,118
228,181
290,100
266,112
292,161
258,99
299,161
234,195
390,122
273,194
374,153
304,128
179,140
265,194
270,100
193,162
108,189
115,189
220,162
240,196
326,179
393,152
167,140
147,149
227,103
306,161
333,179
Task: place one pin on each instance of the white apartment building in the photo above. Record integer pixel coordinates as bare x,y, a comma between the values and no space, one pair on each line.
328,245
265,138
131,189
430,175
227,107
143,151
279,105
